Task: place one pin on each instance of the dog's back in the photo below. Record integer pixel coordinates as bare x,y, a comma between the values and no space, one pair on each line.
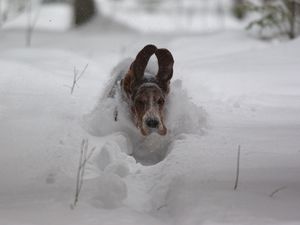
116,76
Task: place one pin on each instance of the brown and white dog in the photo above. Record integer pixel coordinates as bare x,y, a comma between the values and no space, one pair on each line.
137,106
146,93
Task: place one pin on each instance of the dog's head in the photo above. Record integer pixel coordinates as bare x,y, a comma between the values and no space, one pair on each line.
147,94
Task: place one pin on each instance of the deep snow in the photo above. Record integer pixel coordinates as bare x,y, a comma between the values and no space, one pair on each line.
242,92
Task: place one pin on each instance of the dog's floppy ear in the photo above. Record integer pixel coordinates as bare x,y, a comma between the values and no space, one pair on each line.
165,67
126,83
138,66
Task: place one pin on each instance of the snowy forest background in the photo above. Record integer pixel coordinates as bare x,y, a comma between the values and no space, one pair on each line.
178,15
233,112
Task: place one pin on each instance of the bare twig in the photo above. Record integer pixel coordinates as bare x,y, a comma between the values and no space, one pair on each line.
82,72
162,206
30,23
76,77
85,155
77,191
237,168
1,16
277,190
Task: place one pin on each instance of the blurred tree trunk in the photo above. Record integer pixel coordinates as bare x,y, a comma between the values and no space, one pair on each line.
238,10
292,7
84,10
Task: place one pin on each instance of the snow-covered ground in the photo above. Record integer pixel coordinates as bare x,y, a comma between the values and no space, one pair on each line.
55,17
241,92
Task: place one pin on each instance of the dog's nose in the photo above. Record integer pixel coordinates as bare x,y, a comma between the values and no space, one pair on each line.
152,123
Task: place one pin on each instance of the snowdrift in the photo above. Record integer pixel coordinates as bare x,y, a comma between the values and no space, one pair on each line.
241,92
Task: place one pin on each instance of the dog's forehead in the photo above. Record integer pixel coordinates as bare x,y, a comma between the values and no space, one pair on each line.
149,78
147,89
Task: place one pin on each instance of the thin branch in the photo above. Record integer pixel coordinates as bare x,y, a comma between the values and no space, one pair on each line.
91,153
76,77
277,190
237,168
82,166
77,190
85,155
82,72
162,206
75,72
31,22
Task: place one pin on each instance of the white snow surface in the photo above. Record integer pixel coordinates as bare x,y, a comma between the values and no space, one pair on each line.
54,17
227,90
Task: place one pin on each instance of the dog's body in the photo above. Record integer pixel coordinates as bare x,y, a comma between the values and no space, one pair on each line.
143,91
133,106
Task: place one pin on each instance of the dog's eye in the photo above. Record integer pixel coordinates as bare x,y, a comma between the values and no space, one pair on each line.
161,101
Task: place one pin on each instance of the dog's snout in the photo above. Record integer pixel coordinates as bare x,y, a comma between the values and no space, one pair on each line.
152,123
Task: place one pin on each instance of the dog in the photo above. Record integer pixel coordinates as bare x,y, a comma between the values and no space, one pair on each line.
144,92
139,114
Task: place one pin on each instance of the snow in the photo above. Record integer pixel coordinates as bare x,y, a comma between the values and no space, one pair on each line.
43,18
172,16
228,90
